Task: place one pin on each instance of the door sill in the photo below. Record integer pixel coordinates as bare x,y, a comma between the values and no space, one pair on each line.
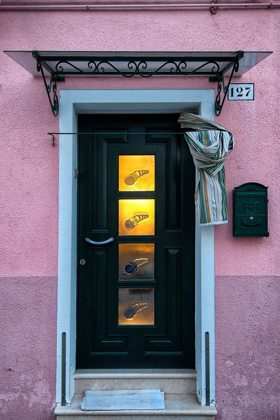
135,373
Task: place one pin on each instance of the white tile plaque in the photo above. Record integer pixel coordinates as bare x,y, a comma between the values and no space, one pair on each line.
241,92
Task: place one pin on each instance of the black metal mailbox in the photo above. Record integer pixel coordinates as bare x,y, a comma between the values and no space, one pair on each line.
250,210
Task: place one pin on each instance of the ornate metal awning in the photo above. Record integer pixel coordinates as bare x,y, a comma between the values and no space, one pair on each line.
60,64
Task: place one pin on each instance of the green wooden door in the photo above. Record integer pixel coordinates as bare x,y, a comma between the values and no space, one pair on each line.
136,293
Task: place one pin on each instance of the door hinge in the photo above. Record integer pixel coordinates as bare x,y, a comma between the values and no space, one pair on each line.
76,173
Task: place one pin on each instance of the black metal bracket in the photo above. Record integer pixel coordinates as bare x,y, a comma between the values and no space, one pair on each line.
223,87
51,88
63,369
207,367
214,7
53,140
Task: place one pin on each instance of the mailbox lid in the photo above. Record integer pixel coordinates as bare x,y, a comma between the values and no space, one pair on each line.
251,198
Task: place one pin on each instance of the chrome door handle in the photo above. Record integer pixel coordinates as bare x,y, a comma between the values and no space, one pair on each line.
99,243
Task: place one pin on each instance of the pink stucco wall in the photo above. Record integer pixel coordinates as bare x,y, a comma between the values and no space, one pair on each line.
247,270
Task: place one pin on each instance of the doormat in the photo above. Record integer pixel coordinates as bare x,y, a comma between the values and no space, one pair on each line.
123,400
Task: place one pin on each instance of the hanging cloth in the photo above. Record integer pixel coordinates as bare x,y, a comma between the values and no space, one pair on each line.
209,145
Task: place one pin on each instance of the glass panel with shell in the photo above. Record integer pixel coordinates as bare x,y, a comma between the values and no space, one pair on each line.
136,217
136,306
136,173
136,261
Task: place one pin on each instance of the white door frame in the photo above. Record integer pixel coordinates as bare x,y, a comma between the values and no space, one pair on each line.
73,102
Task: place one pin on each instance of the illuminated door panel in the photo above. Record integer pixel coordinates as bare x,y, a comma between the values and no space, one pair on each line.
136,261
137,217
136,173
136,306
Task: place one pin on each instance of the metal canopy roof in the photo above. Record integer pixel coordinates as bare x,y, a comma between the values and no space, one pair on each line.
59,64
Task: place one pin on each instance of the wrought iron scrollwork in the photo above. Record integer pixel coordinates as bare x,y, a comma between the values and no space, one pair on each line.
144,65
132,68
51,88
60,69
223,88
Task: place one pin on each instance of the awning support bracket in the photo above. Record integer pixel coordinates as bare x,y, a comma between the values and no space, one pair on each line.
223,87
51,88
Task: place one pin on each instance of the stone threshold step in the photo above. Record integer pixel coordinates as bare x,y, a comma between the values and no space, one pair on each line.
168,380
179,407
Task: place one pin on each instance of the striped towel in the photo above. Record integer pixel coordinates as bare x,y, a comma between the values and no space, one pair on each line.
209,146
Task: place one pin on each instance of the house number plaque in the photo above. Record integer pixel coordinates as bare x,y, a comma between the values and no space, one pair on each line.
241,92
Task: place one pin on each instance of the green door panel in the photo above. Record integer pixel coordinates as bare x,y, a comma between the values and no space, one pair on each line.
135,294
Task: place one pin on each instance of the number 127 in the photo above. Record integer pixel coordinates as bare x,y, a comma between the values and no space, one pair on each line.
242,92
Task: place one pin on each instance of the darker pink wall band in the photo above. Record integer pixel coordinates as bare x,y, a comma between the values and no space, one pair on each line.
247,347
28,347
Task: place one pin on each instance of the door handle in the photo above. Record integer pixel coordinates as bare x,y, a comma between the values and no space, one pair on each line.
99,243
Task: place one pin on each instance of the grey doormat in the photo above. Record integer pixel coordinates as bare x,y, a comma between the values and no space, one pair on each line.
123,400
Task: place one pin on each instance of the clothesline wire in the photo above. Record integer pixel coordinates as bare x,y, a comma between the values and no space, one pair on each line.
107,133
